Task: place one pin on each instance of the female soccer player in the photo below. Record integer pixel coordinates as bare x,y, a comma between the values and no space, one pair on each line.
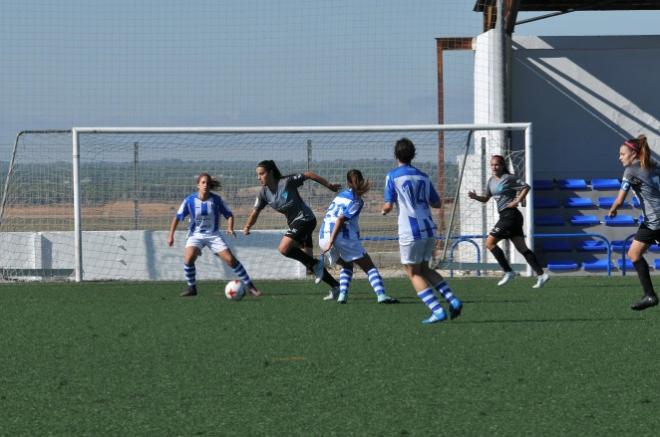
643,176
413,192
509,191
204,209
339,238
281,193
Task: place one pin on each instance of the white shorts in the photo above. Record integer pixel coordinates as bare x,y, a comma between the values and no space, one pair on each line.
214,241
417,251
348,250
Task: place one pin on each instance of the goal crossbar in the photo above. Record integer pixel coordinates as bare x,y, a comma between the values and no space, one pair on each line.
78,260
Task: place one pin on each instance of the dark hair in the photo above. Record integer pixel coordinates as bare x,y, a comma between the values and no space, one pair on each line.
213,183
502,161
356,182
404,150
269,166
640,146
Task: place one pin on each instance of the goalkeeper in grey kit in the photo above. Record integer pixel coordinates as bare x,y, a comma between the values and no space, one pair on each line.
509,191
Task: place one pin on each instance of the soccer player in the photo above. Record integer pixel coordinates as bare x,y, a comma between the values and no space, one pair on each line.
339,238
414,195
204,209
643,176
509,191
281,193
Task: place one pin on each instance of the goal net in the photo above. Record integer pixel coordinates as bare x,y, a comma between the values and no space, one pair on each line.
96,203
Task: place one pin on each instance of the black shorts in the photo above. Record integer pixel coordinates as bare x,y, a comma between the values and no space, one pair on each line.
509,225
301,232
646,235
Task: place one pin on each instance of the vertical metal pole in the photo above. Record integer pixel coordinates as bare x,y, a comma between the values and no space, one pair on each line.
529,178
309,168
77,215
136,187
456,198
484,207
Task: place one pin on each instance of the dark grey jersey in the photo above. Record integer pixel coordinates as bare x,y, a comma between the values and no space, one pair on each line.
286,199
504,189
646,185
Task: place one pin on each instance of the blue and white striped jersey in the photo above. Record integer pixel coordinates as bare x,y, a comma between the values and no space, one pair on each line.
412,191
204,214
346,205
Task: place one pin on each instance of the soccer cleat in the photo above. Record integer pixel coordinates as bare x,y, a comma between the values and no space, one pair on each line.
435,318
455,308
318,270
540,282
343,298
332,294
506,278
385,299
255,292
646,302
190,291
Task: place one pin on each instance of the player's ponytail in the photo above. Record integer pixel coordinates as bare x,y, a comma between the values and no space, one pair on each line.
213,183
644,152
356,182
269,166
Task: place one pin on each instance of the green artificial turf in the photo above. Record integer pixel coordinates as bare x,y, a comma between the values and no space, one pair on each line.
136,359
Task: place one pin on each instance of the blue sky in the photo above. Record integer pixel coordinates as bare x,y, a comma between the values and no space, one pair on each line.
244,63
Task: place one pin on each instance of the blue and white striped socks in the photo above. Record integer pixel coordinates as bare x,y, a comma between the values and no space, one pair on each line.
376,281
431,301
445,291
190,272
242,274
345,277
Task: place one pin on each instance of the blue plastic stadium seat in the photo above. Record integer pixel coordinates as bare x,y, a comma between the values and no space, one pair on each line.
635,202
549,220
607,201
563,266
584,220
656,264
654,248
596,266
573,184
629,264
617,245
592,246
578,202
543,184
555,245
544,202
605,184
620,220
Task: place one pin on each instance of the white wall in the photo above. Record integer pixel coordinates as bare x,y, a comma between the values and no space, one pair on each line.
143,255
585,96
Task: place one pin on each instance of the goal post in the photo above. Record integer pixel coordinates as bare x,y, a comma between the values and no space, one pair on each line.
95,203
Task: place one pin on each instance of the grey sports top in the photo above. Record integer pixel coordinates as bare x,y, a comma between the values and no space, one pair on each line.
286,199
504,189
646,185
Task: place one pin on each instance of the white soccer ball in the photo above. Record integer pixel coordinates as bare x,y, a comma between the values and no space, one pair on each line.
235,290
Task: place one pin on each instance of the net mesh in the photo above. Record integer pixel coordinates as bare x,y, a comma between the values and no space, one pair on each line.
131,185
